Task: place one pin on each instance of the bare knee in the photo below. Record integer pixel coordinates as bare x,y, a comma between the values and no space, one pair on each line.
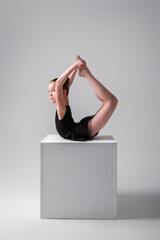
113,101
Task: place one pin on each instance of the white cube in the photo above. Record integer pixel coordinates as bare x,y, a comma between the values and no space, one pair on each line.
78,179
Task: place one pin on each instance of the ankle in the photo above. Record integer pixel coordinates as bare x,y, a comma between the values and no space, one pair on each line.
88,73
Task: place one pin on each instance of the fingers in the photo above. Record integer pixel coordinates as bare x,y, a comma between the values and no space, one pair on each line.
79,62
82,64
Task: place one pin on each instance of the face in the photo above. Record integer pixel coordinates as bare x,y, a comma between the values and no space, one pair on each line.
51,88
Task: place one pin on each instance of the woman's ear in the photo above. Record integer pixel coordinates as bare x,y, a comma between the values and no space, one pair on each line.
64,92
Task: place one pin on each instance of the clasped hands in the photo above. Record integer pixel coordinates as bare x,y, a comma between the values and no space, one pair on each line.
79,62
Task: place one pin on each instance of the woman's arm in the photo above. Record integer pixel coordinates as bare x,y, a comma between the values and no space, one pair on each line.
71,76
59,87
61,80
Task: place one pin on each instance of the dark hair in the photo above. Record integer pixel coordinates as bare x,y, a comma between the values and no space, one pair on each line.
65,85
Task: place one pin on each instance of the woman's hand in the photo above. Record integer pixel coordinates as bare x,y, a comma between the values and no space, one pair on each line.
79,62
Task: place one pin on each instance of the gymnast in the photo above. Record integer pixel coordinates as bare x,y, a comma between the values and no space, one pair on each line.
89,126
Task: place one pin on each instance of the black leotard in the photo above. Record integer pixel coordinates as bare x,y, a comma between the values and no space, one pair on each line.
66,124
69,129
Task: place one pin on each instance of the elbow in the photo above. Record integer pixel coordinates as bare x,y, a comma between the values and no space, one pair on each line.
58,85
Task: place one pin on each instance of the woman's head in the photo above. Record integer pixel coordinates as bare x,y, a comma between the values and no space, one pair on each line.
51,88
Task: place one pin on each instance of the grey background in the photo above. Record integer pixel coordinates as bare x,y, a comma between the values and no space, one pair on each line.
120,42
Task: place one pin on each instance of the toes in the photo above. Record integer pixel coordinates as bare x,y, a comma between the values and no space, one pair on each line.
75,58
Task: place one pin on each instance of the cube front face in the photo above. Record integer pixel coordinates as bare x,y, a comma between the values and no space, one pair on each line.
78,180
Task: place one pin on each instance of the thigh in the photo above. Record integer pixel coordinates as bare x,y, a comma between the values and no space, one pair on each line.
101,118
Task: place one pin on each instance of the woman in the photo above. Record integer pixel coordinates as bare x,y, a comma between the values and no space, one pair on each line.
89,126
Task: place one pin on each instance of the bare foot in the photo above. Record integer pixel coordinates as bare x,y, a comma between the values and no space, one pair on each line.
83,72
77,58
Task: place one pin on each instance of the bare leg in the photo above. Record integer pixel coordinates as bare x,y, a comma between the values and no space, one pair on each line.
109,102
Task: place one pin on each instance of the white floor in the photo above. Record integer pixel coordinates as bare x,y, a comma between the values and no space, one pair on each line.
138,218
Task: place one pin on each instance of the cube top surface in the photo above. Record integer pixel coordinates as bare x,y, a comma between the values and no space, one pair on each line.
55,138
